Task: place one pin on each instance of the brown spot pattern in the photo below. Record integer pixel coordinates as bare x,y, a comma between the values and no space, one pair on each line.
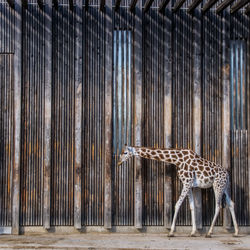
201,168
174,156
161,156
157,158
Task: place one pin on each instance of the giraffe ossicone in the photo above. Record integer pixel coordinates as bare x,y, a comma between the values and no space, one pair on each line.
193,171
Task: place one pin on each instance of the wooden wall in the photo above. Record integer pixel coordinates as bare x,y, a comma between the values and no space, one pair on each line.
92,81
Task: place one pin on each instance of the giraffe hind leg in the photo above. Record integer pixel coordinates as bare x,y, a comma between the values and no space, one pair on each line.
183,195
218,198
231,208
192,208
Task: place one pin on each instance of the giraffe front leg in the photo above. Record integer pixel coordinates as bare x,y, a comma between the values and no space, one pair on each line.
217,210
184,193
192,208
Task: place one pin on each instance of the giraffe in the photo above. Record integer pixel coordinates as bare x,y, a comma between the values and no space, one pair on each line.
193,171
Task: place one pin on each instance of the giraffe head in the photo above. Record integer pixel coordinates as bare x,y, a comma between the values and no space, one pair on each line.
127,153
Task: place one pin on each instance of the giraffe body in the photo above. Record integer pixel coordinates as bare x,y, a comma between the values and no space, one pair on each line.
193,171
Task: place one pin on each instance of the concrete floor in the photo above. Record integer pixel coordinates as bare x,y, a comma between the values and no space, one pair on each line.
123,241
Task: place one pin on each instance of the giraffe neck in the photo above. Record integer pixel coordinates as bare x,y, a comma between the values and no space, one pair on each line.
159,154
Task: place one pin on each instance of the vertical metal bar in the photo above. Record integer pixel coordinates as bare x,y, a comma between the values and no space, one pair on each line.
197,60
108,114
138,111
225,100
17,116
78,114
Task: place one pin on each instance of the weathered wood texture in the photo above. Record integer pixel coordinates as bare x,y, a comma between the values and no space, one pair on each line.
108,116
123,103
17,64
153,117
63,113
32,122
7,28
107,78
78,113
7,136
137,51
93,123
47,114
182,98
226,144
211,102
239,125
168,170
197,104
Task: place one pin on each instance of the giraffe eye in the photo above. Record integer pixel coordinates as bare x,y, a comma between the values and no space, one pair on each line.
125,153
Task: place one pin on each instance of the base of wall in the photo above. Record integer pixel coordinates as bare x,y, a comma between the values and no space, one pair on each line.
120,229
5,230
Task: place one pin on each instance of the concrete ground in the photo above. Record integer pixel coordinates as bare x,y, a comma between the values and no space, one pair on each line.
123,241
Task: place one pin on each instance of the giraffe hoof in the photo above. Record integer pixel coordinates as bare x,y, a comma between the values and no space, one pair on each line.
171,235
192,235
235,235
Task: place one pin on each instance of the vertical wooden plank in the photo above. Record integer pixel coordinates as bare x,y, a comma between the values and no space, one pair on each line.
226,101
78,114
47,113
197,106
168,114
138,111
108,113
17,116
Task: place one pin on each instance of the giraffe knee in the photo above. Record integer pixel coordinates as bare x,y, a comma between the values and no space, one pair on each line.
191,206
231,205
